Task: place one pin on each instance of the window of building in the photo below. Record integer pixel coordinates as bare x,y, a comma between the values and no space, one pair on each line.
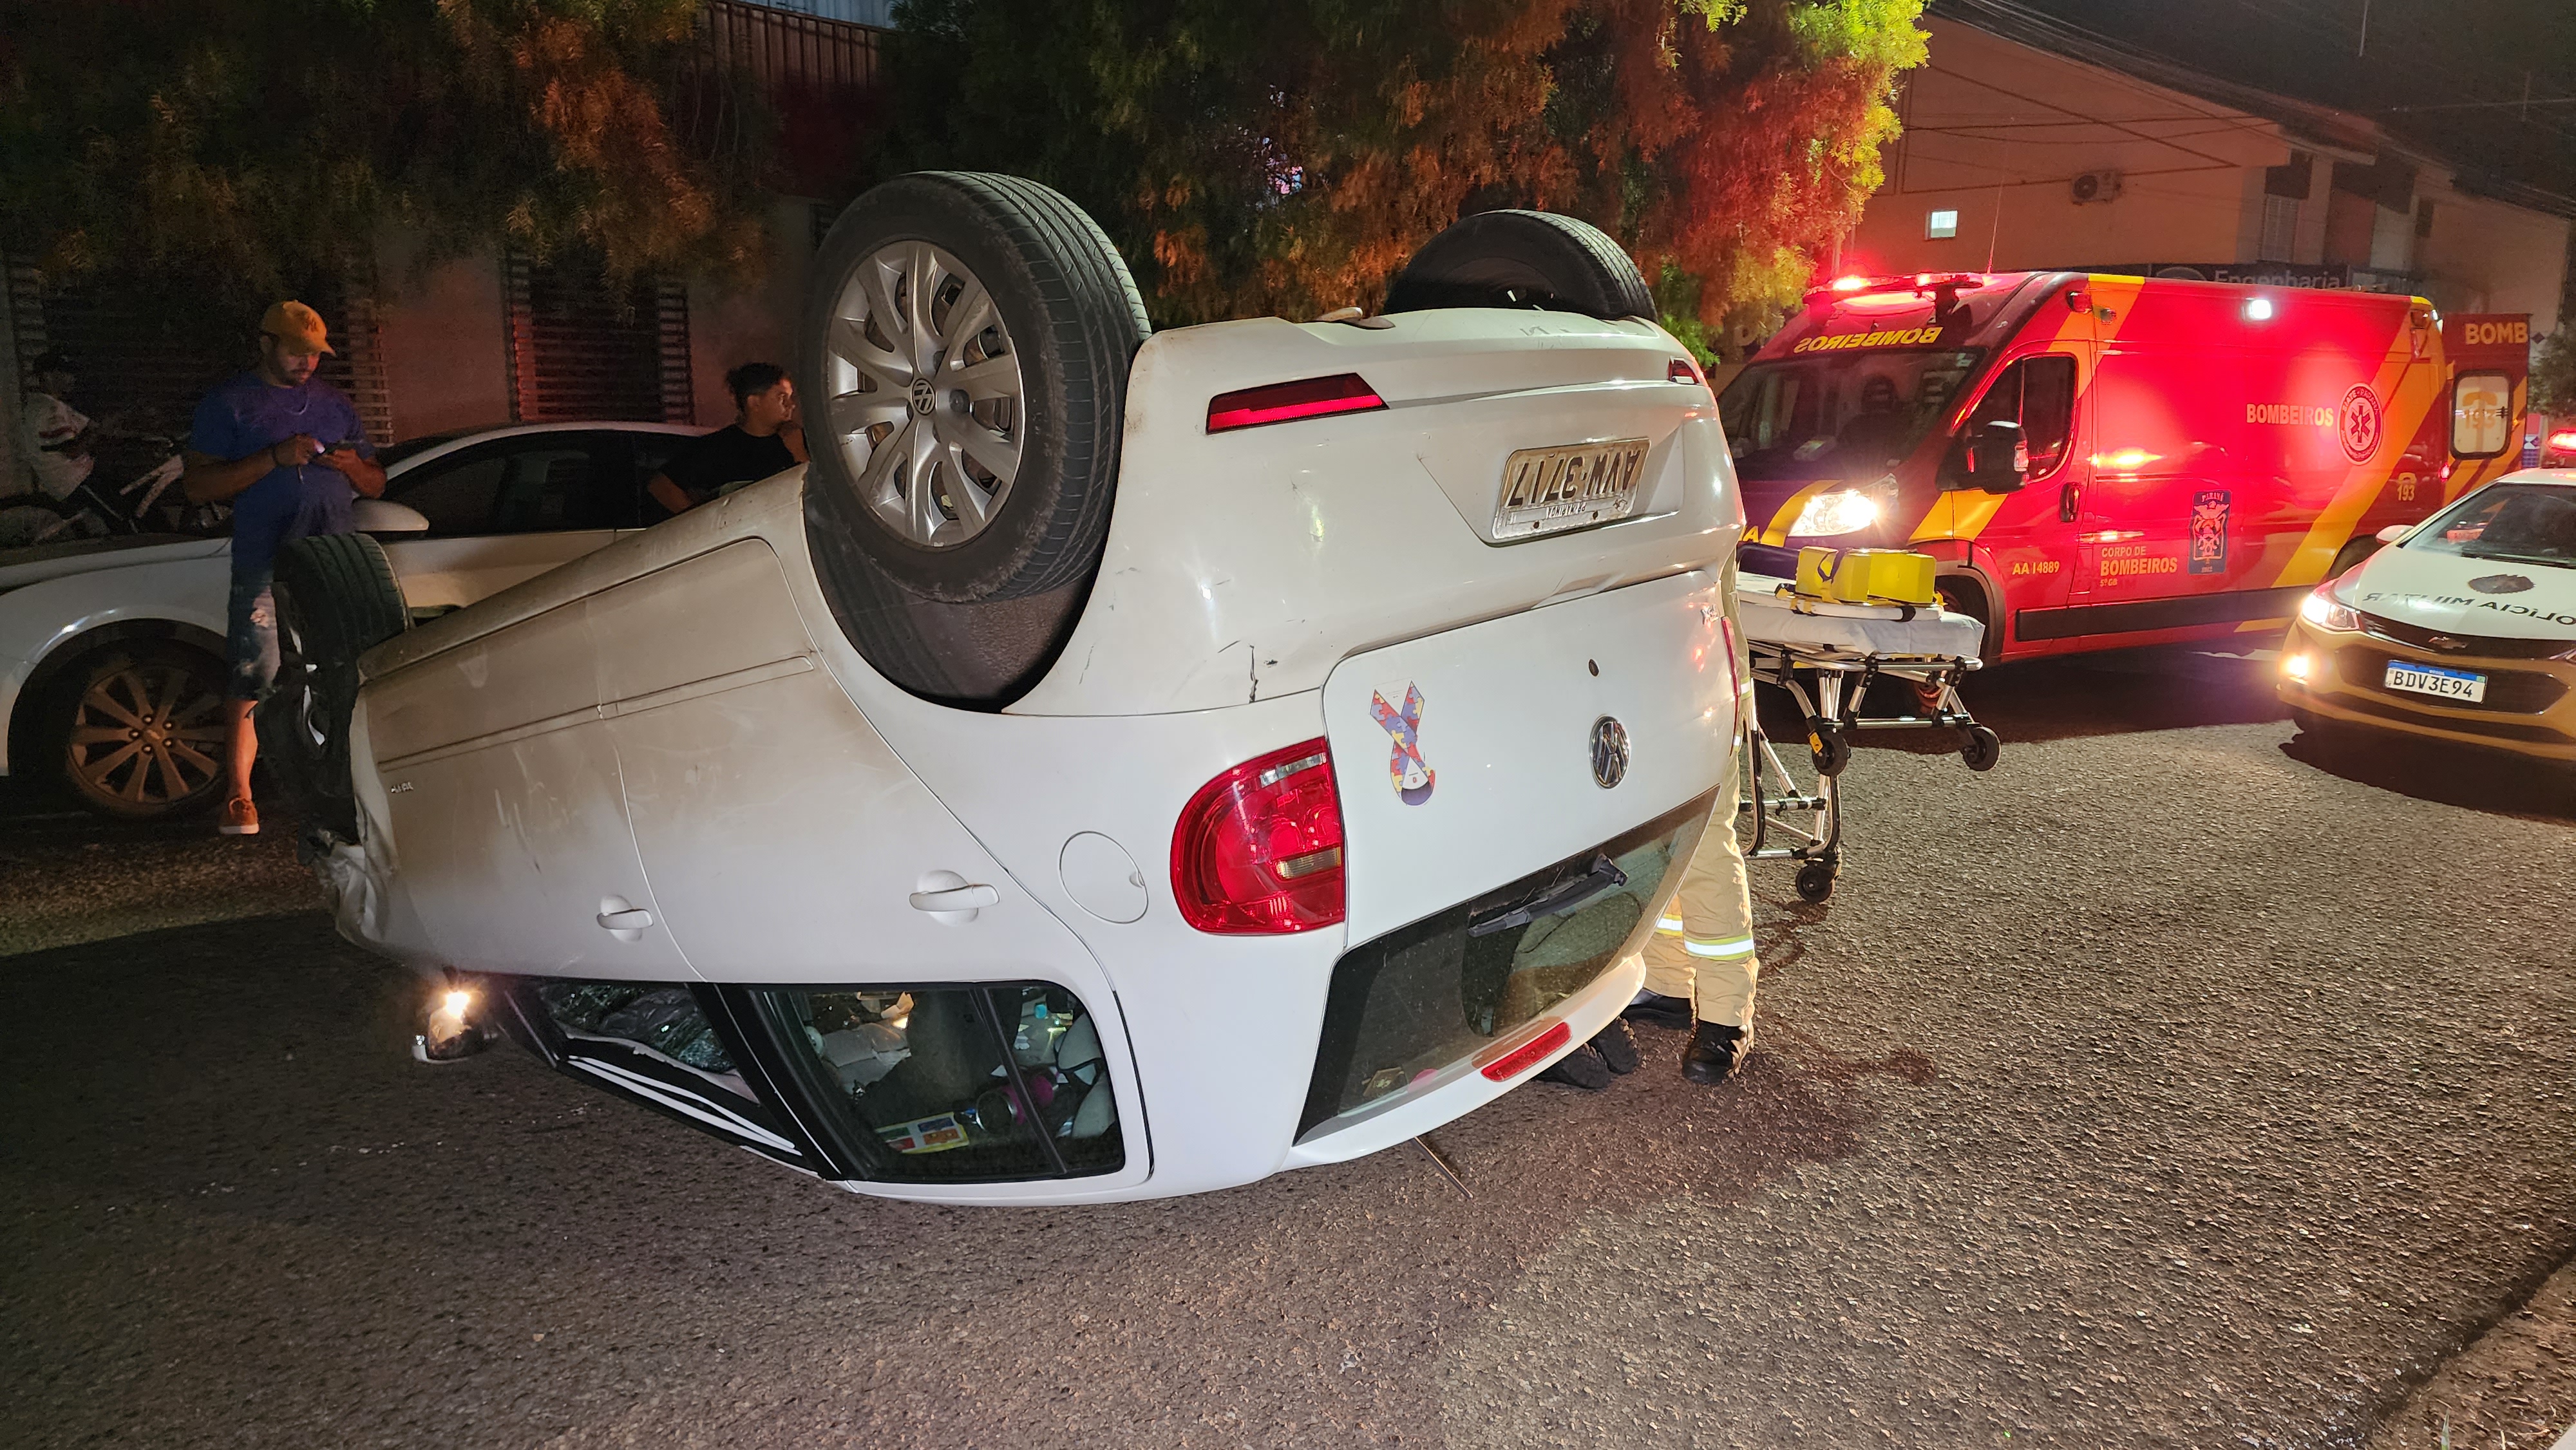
581,349
1940,224
2280,229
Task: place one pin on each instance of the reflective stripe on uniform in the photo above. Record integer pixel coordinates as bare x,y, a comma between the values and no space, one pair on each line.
1672,926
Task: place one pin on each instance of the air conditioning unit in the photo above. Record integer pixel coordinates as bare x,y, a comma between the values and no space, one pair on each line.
2096,186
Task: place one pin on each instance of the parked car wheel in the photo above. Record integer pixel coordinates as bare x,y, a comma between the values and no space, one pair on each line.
336,598
139,730
1523,259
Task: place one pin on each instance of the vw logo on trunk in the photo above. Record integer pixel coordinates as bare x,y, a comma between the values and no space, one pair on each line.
1609,752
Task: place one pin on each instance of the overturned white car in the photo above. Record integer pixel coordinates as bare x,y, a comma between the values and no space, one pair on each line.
1119,765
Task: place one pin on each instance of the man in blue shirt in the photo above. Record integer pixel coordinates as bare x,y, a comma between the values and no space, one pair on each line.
286,450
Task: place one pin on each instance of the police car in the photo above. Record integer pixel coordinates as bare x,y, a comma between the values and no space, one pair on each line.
2462,629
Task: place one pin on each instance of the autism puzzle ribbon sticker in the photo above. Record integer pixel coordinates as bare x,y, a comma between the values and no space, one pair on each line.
1405,767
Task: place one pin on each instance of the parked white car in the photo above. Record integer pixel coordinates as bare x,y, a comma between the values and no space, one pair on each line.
112,650
1119,765
2463,629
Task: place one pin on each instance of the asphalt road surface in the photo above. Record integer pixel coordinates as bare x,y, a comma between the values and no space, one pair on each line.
2176,1084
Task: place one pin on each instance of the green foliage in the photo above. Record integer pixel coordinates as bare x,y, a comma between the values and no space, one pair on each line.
237,143
2553,373
1288,156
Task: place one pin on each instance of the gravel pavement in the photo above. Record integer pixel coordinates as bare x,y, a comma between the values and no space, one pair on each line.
67,876
2179,1083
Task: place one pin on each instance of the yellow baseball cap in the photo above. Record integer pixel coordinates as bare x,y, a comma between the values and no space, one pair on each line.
297,326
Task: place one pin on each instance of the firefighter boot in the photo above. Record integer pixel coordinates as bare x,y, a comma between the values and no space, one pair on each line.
1617,1046
1713,1053
1582,1068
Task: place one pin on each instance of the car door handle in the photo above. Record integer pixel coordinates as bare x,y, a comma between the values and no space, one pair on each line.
956,898
633,918
2069,502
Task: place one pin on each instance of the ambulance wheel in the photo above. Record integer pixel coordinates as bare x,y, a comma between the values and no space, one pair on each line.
335,597
1825,743
1523,259
1980,747
1815,881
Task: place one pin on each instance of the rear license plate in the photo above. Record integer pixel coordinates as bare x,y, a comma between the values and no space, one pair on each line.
2436,681
1549,489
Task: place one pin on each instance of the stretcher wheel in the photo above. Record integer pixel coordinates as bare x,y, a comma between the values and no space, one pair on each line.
1831,751
1815,881
1980,747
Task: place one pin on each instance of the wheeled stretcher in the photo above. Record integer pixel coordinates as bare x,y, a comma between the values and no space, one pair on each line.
1826,655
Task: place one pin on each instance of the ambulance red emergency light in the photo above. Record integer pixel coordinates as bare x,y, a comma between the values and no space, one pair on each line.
2104,461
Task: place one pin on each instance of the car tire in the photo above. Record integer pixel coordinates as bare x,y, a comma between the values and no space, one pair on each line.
1523,259
965,610
167,701
336,598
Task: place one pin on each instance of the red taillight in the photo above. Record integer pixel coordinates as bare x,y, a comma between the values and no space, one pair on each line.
1287,402
1259,849
1526,1056
1679,370
2565,441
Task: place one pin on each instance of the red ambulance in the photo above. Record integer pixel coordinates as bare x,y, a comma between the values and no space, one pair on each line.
2101,461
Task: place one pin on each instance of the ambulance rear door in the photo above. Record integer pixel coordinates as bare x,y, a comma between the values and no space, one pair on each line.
2488,355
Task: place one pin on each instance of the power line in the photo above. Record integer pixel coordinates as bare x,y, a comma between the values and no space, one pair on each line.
2476,105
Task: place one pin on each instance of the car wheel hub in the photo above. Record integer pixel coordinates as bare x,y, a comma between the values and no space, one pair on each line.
911,325
146,735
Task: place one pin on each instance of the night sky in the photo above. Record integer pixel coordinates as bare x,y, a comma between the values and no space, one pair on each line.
2419,54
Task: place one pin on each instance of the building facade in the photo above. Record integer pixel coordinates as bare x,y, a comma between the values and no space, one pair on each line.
2027,147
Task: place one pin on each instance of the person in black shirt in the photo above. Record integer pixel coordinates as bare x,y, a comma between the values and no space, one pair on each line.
764,438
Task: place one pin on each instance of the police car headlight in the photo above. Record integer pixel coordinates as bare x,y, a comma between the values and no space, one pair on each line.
2322,610
1843,511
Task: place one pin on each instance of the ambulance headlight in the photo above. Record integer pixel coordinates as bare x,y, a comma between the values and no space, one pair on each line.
1843,511
2322,610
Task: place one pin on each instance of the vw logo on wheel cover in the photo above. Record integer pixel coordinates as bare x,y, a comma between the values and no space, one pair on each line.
1609,752
924,397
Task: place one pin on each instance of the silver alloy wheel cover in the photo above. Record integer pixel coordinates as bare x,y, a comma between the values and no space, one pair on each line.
923,394
163,724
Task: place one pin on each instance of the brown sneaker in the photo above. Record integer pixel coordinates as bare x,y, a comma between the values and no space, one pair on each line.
241,818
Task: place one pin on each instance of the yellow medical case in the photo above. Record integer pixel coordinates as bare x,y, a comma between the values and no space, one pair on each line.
1865,576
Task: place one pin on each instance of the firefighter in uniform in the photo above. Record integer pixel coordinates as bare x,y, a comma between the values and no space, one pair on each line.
1700,963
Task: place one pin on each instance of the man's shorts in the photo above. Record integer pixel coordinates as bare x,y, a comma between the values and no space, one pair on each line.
250,638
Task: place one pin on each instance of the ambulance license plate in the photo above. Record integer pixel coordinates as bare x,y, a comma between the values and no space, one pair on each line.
2435,681
1546,490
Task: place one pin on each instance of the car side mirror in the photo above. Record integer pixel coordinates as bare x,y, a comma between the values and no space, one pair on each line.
2394,532
1992,456
384,516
